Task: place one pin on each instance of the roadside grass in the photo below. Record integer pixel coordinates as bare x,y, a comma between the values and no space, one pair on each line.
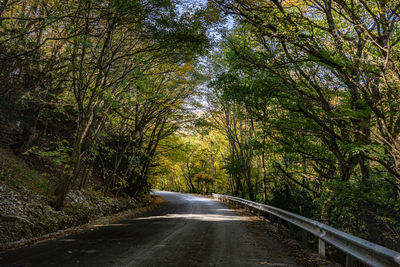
16,174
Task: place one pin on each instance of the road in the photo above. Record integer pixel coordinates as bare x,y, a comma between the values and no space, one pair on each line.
185,231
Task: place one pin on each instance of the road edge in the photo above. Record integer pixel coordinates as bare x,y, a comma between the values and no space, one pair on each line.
303,255
96,223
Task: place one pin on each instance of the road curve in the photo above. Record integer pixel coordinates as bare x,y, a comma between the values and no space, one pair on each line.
185,231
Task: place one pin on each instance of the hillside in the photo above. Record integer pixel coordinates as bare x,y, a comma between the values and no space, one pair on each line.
25,211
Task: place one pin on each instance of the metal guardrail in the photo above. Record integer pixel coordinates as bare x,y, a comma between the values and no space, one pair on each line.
354,247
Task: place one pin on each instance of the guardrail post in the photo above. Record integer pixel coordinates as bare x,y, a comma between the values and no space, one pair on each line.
365,251
321,248
271,218
304,238
350,261
291,230
279,225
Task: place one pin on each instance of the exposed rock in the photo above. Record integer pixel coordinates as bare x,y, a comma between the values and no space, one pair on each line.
25,215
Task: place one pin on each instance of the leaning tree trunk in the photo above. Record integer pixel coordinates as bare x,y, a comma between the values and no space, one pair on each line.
66,182
264,178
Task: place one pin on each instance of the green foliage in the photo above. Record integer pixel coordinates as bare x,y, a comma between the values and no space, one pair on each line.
60,156
77,71
302,103
16,174
308,91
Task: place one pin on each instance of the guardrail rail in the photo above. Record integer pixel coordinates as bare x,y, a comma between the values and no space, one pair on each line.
354,247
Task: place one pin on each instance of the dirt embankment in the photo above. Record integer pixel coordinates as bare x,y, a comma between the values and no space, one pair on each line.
26,217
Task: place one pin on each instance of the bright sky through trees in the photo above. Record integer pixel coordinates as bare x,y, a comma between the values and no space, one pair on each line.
291,103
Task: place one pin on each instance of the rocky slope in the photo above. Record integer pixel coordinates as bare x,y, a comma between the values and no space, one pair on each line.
25,215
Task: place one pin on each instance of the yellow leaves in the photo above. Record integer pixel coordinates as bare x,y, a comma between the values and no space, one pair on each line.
268,5
335,101
294,3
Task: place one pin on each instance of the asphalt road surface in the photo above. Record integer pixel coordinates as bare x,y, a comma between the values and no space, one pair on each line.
185,231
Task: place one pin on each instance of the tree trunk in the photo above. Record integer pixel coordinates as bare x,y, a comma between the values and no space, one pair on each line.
264,178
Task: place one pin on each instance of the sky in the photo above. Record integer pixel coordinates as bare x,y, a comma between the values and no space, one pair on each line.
215,34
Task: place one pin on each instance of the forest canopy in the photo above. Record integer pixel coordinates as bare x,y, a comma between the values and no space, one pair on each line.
294,103
95,85
305,95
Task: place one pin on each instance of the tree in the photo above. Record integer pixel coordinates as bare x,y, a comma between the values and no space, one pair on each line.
321,68
115,50
74,62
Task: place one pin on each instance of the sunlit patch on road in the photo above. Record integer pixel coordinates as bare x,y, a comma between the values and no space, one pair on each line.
185,231
199,217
